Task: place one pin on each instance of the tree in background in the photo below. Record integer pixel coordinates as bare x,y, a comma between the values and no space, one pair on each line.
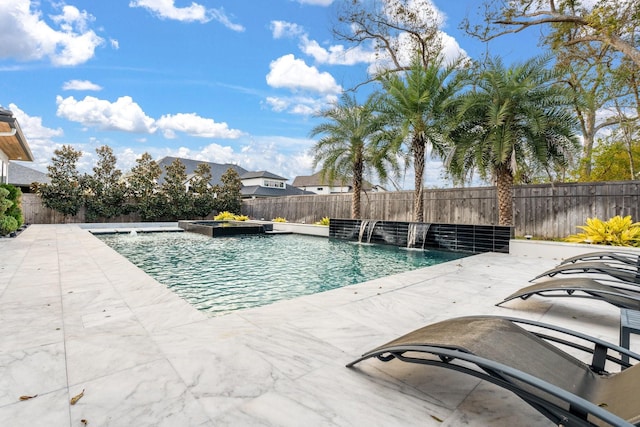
595,42
349,145
204,200
64,192
176,201
585,71
143,187
609,22
512,116
228,194
398,30
105,191
616,159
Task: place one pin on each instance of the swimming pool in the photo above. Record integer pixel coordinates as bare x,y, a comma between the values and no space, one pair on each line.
222,275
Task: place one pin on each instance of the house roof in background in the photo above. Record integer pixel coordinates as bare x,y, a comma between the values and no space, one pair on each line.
22,176
261,174
12,140
316,180
258,191
217,169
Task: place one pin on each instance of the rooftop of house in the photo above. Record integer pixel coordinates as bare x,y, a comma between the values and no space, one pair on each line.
12,140
259,191
316,180
217,169
22,176
261,174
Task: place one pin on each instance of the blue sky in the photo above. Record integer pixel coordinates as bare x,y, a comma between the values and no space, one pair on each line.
225,81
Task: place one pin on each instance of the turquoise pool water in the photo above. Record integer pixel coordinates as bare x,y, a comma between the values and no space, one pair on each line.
220,275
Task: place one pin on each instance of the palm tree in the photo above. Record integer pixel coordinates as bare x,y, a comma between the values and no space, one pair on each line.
350,146
510,117
418,107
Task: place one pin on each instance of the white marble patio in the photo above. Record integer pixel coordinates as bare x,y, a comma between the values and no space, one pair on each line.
75,315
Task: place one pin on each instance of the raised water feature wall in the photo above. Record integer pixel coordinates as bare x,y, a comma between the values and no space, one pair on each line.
224,228
451,237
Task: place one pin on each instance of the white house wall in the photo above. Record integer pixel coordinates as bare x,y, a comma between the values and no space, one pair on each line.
326,190
4,167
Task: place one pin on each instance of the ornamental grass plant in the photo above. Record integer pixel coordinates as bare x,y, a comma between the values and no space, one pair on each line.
617,231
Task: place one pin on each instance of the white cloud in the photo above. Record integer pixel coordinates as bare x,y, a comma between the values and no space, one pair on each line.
451,50
26,36
287,157
301,105
166,9
81,85
39,137
221,17
126,115
32,126
316,2
294,74
277,104
282,29
336,54
195,125
123,115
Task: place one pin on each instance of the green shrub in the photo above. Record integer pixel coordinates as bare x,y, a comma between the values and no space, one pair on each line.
15,196
617,231
279,219
5,203
323,221
8,224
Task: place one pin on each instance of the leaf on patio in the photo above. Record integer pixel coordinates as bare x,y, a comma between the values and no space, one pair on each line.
28,397
77,397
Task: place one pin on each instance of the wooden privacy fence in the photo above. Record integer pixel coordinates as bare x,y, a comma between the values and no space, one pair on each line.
35,212
545,210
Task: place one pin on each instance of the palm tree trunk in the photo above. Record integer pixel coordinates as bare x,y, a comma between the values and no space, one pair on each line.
418,148
357,188
505,196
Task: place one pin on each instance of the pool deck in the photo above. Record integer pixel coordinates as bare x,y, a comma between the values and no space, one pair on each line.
76,316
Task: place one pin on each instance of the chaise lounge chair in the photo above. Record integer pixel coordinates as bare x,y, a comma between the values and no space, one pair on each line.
499,350
581,287
619,272
628,258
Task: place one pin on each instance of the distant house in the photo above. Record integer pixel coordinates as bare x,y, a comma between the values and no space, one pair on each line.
316,184
22,177
13,144
254,184
217,169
